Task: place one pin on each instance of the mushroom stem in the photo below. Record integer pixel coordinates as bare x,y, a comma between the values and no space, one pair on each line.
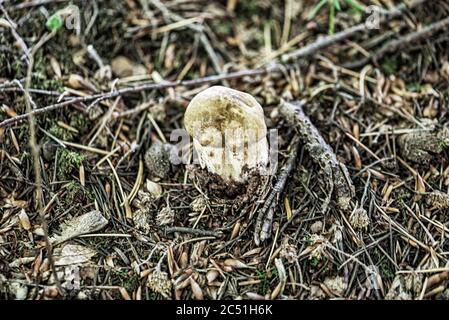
231,163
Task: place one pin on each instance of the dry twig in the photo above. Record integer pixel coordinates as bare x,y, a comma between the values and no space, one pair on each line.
265,216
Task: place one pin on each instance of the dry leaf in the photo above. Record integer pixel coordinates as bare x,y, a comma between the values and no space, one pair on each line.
211,275
196,290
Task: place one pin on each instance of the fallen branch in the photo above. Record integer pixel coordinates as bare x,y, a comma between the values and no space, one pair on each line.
336,174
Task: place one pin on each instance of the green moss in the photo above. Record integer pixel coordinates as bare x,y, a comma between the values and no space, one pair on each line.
126,279
266,277
383,265
308,239
61,133
54,23
224,27
24,130
315,261
11,66
79,121
40,80
414,87
250,7
24,156
390,66
67,162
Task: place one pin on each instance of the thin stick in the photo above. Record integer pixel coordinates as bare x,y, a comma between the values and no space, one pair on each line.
36,159
193,231
146,87
264,219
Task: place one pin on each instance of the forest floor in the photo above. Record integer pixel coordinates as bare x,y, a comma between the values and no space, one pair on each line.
102,213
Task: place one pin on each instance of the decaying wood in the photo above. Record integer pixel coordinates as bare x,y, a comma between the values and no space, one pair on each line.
336,174
265,217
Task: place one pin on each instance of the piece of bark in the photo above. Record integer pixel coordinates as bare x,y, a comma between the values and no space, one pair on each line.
84,224
338,181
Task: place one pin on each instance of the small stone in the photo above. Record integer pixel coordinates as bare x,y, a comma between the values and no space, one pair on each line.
39,232
122,66
153,188
157,160
49,149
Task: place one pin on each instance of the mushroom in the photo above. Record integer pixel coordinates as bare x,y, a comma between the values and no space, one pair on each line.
229,133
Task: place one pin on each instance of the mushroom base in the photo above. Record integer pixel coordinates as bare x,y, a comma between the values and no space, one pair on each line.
226,189
234,161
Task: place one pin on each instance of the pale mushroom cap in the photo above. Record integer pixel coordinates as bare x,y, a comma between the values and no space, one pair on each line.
219,110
